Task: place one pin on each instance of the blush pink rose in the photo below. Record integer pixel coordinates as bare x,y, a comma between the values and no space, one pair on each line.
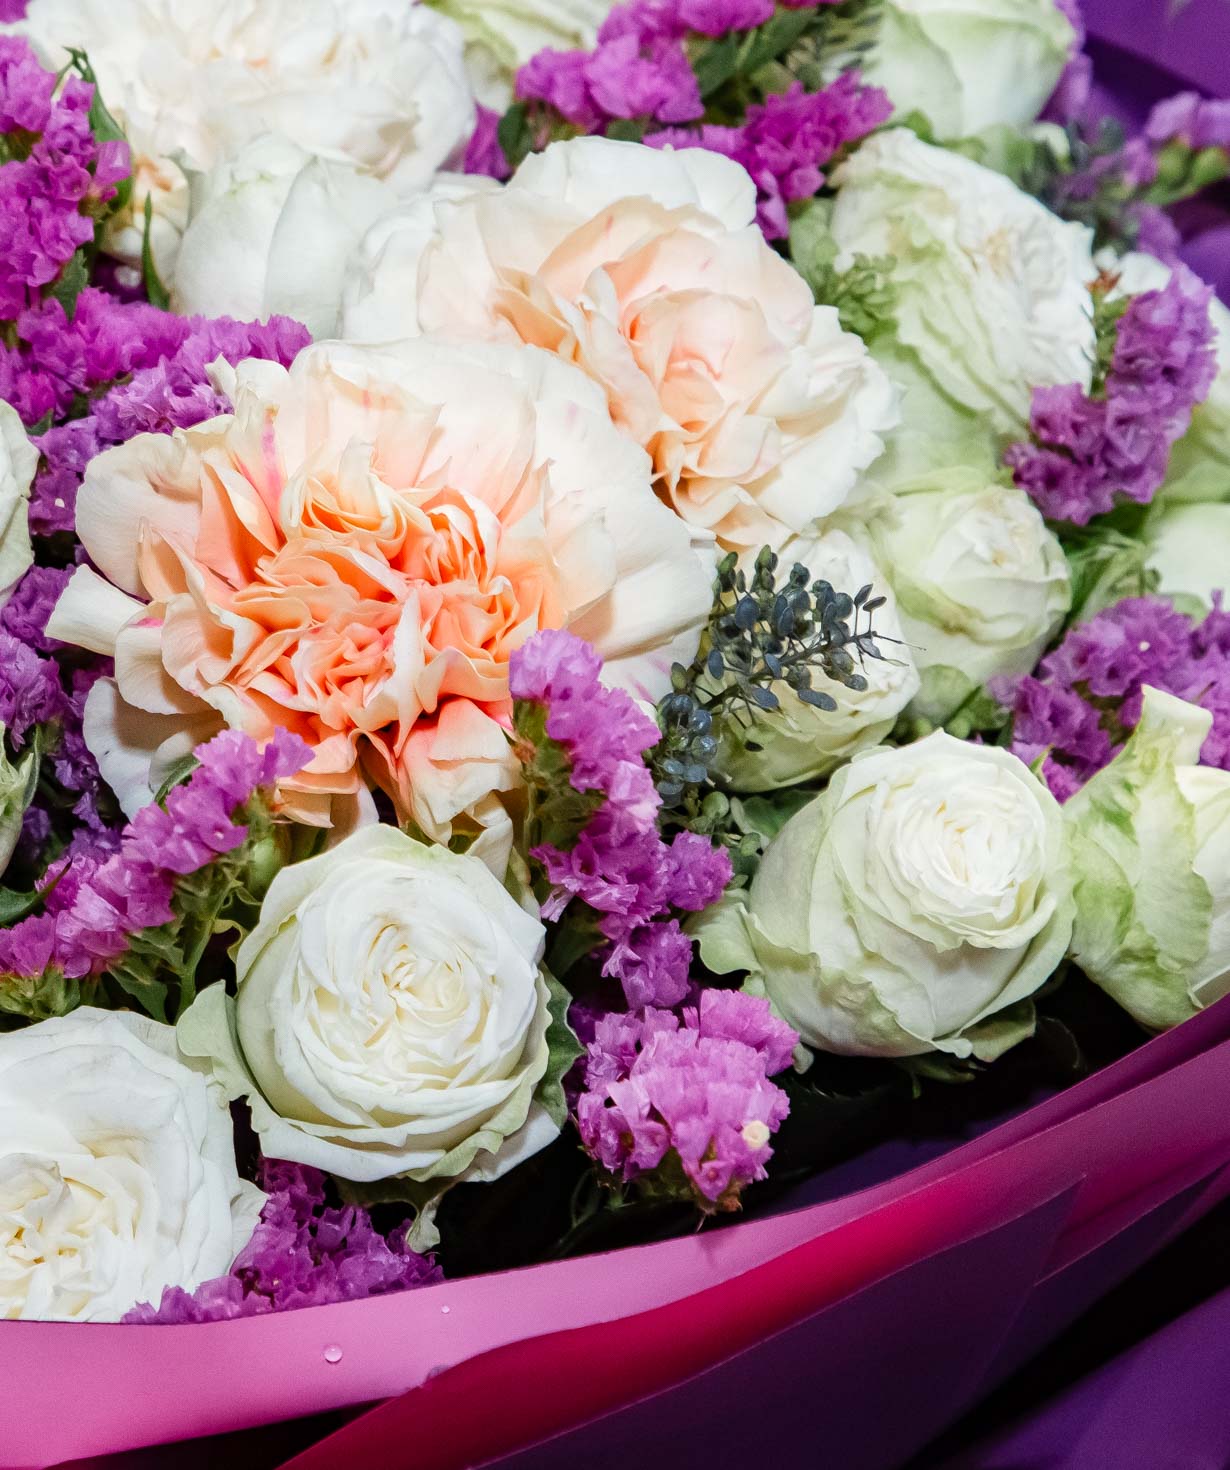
647,270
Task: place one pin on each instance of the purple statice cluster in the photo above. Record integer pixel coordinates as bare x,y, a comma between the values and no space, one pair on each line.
105,890
786,141
620,866
304,1252
666,1097
1085,699
1090,449
1070,99
156,367
57,179
642,71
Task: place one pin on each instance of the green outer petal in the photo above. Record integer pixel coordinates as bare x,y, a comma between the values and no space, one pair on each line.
1143,912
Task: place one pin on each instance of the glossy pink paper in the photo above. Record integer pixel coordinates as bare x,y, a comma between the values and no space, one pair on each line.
166,1383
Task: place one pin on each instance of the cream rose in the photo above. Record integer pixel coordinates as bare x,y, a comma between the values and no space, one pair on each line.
18,462
354,554
376,84
916,906
391,1017
798,742
271,232
646,268
992,288
970,64
982,585
117,1170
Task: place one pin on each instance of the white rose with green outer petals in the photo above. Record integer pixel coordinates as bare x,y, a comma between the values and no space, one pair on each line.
799,742
992,289
18,462
1151,857
982,584
1189,549
392,1017
915,906
117,1170
502,35
970,64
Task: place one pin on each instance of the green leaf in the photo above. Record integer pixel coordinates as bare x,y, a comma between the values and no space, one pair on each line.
16,906
103,125
776,37
38,999
158,294
715,63
626,130
73,279
514,134
177,774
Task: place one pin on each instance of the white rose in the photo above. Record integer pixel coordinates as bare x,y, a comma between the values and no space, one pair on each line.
18,462
982,585
378,84
645,267
1151,855
502,35
117,1170
915,906
992,288
969,64
391,1017
1189,548
270,234
799,742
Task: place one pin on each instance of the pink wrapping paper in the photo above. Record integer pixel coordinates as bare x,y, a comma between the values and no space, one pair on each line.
1120,1158
1172,1108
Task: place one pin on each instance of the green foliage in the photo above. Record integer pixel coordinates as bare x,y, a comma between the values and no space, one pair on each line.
556,814
1106,560
158,294
863,294
1108,312
73,279
102,124
24,1001
163,968
514,134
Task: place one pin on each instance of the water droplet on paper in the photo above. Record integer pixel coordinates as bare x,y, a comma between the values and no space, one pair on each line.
333,1353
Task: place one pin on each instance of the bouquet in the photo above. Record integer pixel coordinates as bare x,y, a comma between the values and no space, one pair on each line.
603,608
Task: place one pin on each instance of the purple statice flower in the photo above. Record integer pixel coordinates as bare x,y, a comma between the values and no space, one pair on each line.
619,865
1071,95
24,616
56,178
623,77
1085,699
663,1095
716,18
483,152
1188,118
101,894
1088,451
30,690
303,1253
786,142
164,361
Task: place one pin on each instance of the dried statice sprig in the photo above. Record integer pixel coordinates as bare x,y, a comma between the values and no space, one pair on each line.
762,640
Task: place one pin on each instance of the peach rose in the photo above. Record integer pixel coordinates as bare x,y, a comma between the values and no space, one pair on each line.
646,268
353,555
